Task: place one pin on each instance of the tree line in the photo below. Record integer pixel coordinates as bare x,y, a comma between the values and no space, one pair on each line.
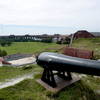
5,43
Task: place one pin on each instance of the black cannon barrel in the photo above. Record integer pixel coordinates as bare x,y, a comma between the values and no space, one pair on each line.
60,62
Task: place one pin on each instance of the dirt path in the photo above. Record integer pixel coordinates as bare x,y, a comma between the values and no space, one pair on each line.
14,81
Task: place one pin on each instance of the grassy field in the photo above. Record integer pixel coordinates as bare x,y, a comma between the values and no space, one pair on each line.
89,44
30,90
31,47
36,47
13,72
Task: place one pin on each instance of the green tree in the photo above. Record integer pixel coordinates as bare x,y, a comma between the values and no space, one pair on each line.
9,43
3,43
3,53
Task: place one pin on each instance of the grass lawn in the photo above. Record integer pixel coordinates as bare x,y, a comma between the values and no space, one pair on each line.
31,47
29,89
89,44
13,72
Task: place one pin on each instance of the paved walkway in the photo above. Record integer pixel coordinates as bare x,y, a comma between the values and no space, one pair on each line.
23,61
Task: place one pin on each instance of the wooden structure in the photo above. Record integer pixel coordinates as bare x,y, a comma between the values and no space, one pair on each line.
80,53
82,34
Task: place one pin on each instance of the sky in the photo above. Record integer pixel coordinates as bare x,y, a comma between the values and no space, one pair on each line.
49,16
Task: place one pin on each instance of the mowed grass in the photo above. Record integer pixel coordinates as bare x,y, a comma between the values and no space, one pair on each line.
31,47
89,44
13,72
30,90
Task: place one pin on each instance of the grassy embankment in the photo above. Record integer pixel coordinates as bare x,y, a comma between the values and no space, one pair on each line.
30,90
89,44
13,72
31,47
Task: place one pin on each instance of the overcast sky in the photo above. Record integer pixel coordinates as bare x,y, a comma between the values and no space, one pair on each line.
66,15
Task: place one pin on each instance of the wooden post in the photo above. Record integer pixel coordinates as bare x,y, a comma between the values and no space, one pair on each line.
71,40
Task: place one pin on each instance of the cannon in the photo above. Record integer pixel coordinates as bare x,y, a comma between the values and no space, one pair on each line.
63,66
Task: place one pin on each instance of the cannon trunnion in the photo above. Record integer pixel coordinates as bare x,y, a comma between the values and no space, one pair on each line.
63,65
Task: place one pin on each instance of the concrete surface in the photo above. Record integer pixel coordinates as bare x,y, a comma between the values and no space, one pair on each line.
23,61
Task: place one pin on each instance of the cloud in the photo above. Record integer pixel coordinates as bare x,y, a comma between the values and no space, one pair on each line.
67,13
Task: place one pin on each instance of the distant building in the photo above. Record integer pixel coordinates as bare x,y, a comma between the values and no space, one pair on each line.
96,34
56,37
83,34
23,38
